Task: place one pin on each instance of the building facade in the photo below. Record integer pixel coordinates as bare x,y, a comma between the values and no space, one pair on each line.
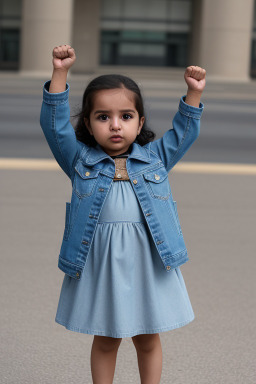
219,35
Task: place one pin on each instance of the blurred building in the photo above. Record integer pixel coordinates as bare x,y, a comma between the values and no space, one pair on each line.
219,35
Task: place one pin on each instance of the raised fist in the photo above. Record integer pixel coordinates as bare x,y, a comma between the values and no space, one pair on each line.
63,57
195,78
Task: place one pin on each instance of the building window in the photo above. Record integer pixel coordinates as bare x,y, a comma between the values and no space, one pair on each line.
10,24
145,33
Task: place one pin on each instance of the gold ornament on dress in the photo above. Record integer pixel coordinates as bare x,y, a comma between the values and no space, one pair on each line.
121,171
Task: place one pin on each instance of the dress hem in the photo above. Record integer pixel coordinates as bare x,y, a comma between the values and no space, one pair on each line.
120,335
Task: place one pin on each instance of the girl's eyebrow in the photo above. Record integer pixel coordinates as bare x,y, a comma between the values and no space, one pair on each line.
122,110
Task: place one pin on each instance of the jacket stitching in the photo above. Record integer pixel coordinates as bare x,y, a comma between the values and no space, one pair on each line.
56,139
148,169
194,115
164,198
53,102
181,142
71,224
174,257
174,219
189,114
69,262
81,195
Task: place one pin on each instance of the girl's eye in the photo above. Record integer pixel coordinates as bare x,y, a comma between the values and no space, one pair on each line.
127,116
103,117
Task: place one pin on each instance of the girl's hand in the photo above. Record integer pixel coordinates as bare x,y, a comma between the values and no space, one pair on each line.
63,57
195,78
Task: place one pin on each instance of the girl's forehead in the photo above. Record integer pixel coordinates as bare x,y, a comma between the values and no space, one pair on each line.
108,98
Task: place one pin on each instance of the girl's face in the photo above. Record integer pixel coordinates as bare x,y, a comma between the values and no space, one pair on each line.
114,121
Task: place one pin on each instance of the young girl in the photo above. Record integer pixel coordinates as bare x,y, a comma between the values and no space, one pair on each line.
122,244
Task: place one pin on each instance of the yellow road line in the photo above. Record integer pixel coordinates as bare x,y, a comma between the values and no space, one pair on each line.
216,168
26,164
182,167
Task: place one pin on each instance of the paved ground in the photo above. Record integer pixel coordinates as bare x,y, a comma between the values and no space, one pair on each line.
218,216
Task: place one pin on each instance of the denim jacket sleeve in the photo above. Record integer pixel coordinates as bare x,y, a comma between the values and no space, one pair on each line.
176,141
56,126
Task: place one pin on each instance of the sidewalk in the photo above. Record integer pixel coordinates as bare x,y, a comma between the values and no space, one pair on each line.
216,348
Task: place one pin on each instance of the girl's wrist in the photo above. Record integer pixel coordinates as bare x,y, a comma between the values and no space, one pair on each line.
60,72
58,81
193,97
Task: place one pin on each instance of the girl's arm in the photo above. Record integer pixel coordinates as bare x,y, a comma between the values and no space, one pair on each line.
186,123
55,114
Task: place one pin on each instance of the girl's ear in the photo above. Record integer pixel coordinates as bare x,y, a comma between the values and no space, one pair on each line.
87,124
142,121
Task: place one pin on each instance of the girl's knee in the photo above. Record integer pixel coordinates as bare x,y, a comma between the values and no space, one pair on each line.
147,342
107,344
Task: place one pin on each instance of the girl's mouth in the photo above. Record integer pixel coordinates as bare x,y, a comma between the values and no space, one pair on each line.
116,139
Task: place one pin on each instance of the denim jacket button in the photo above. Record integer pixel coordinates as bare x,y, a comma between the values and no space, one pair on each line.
157,177
168,267
87,173
135,181
77,274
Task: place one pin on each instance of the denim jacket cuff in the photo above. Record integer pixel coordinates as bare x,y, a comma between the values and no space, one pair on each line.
189,110
55,98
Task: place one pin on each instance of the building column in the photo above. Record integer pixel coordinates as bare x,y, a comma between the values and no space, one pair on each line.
45,24
86,35
221,38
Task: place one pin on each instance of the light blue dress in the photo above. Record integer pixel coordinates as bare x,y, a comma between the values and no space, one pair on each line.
124,289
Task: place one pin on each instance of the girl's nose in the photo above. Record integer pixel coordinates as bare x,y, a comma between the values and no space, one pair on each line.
115,123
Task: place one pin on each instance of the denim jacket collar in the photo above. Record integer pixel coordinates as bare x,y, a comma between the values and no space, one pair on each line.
94,155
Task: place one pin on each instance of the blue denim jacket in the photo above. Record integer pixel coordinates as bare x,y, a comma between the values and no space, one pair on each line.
91,171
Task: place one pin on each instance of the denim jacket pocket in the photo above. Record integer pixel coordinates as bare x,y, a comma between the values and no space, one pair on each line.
85,180
67,221
158,184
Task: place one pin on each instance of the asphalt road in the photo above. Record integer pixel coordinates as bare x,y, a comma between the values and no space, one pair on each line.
218,217
228,128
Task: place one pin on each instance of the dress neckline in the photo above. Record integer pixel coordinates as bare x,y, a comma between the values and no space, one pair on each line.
124,154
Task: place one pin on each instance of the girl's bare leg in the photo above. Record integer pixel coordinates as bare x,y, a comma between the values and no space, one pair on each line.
149,353
103,359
